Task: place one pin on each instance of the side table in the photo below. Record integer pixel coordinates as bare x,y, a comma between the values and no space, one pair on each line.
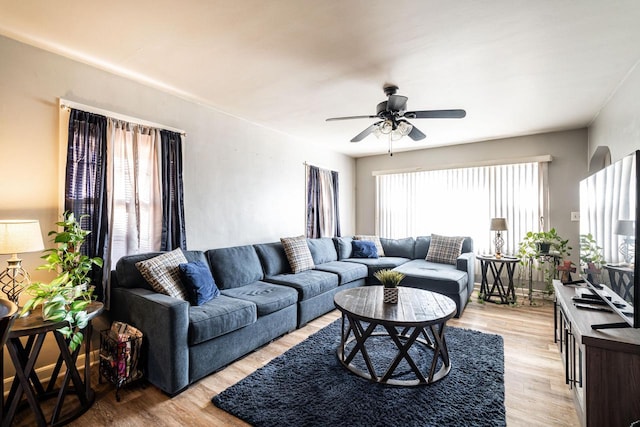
26,381
496,266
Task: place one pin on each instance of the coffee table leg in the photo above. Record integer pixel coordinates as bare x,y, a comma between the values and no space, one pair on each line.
403,353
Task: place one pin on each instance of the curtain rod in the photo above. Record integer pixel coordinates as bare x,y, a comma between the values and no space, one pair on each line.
66,104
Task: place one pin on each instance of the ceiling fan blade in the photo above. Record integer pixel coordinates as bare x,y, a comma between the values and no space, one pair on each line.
436,114
362,135
397,103
331,119
415,134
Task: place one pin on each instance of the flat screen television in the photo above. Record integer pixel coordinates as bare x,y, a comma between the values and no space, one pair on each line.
609,213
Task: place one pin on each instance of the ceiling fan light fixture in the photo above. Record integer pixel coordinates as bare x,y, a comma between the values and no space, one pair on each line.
384,128
404,128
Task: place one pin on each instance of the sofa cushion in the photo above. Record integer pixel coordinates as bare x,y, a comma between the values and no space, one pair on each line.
403,248
343,247
218,317
267,297
322,250
374,239
346,271
235,266
375,264
437,277
309,283
444,249
198,282
298,253
364,249
273,258
163,274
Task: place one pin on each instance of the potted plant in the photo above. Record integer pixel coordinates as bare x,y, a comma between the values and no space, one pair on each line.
390,279
537,247
67,296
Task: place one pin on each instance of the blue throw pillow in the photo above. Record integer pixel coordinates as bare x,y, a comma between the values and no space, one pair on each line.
364,249
199,282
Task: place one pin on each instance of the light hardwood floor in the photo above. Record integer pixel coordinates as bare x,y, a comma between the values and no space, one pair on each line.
534,379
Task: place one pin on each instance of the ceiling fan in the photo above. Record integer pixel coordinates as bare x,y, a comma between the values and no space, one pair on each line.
393,114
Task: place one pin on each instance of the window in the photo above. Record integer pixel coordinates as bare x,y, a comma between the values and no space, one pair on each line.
462,201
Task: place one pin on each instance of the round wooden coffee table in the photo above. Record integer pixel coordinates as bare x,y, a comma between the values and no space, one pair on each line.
418,317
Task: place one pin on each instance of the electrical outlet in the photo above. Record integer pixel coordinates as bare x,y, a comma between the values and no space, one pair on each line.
575,216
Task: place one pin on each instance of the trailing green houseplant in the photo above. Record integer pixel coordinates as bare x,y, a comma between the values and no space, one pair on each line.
67,296
533,248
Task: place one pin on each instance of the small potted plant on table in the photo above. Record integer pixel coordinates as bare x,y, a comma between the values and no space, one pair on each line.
390,279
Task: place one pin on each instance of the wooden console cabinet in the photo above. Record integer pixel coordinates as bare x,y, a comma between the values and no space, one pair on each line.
602,367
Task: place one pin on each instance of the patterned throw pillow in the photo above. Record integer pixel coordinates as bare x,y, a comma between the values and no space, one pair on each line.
444,249
374,239
298,253
163,274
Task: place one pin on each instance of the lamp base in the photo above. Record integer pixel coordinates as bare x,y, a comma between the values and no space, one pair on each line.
14,279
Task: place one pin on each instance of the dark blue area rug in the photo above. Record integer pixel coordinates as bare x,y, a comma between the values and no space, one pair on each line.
307,386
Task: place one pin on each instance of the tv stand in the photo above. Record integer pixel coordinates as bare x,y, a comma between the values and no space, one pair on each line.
602,367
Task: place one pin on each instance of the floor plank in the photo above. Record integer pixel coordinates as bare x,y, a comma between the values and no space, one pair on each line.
534,380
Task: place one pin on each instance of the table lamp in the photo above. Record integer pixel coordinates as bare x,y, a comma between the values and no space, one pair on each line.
498,225
17,236
626,228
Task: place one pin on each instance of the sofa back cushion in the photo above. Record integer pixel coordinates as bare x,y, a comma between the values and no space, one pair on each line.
423,243
235,266
401,248
273,258
128,276
343,247
322,250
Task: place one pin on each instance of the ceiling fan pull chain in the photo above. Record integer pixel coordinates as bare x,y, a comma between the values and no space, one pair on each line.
390,147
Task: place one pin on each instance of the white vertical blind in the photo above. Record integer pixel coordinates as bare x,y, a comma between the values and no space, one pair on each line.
462,201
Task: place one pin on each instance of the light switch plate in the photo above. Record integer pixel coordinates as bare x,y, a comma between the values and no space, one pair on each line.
575,216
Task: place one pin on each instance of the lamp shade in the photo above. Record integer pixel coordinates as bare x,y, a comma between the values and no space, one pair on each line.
625,227
19,236
499,224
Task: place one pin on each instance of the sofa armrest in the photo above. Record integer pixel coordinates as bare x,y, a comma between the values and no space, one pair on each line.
467,262
164,321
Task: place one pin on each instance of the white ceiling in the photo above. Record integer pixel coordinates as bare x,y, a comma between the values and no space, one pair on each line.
516,67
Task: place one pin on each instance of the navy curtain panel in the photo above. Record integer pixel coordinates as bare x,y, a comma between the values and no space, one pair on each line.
173,225
313,197
85,183
336,202
323,215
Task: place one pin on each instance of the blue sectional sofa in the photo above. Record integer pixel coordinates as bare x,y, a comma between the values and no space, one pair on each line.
261,299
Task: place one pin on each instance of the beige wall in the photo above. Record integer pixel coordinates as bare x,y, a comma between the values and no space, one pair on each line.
618,123
243,183
568,150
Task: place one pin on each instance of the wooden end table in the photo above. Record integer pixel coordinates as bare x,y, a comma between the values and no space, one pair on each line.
26,381
418,317
496,266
